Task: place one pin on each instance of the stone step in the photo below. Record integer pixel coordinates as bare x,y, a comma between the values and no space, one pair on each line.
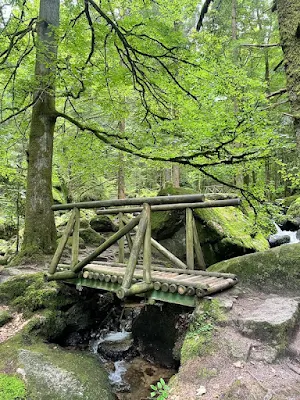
272,320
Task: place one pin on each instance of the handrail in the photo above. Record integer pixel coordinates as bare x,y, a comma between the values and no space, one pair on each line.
190,198
178,206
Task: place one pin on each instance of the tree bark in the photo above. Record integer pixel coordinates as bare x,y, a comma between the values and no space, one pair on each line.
40,232
176,175
289,28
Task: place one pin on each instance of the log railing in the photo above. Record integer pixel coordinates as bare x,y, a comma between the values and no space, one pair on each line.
141,224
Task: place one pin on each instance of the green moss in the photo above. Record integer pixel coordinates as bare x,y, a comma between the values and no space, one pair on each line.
294,209
29,293
82,367
274,269
232,224
90,236
11,388
5,316
199,338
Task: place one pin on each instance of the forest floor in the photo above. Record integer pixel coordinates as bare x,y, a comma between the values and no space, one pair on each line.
255,354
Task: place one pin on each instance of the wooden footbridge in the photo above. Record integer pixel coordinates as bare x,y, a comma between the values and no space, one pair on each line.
180,283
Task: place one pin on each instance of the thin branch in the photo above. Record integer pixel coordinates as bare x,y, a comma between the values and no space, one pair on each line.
258,45
276,93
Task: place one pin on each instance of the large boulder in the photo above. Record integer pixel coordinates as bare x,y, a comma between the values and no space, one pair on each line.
102,223
292,221
275,269
91,237
51,373
223,232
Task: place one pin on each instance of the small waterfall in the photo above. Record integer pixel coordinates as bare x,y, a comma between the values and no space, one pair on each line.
291,234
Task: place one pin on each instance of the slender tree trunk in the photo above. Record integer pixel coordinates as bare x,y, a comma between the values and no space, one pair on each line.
289,28
40,232
176,175
121,171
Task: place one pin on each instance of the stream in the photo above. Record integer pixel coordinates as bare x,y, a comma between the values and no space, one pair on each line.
130,370
294,235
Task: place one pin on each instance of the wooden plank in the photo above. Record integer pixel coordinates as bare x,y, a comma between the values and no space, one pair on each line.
191,198
62,243
139,275
189,238
167,207
111,240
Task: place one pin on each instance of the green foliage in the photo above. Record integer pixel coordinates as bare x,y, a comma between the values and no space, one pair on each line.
12,388
160,391
198,340
5,316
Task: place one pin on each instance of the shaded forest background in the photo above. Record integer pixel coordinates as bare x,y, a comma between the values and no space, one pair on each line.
141,94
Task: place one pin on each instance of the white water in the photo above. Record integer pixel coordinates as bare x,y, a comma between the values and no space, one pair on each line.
291,234
116,377
120,367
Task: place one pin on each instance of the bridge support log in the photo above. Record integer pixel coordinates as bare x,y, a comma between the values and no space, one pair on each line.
60,276
134,254
189,238
137,288
111,240
62,243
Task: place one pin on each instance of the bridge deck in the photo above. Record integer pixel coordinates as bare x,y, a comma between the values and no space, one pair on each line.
170,284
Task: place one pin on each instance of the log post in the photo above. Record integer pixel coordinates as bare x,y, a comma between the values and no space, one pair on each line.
189,238
62,243
137,244
147,246
75,236
121,241
137,288
198,250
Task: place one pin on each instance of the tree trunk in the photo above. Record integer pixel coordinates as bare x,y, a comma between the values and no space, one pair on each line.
289,28
176,175
40,232
121,171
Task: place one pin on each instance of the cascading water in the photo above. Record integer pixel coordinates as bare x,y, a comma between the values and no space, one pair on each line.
294,235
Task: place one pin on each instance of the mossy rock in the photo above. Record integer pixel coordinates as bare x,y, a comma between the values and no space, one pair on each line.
199,338
227,232
91,237
276,269
294,209
5,317
165,223
29,293
102,223
52,373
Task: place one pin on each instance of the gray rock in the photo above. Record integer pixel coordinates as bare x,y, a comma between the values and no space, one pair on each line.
278,239
54,374
272,320
102,223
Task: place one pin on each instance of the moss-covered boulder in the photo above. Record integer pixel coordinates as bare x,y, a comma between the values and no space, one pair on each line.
274,269
51,373
224,232
294,209
5,317
91,237
102,223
